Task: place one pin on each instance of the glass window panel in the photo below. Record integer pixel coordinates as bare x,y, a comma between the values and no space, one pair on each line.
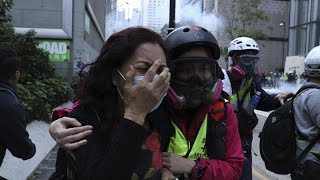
303,12
313,10
312,36
302,40
293,42
294,13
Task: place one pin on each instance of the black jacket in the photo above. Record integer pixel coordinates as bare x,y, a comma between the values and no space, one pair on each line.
13,134
112,152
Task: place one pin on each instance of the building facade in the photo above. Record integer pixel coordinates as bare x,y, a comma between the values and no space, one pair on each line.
72,31
304,31
273,50
155,14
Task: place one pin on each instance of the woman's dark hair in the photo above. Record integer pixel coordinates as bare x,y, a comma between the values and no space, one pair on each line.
98,89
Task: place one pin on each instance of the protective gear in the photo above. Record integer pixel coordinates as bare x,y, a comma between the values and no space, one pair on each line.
210,139
180,145
246,67
192,97
192,35
137,79
242,44
249,59
187,66
312,63
195,91
237,72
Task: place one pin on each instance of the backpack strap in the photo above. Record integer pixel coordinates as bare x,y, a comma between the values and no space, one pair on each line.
251,89
10,92
309,147
310,86
216,130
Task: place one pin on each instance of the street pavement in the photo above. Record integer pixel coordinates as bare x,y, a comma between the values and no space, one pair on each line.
46,168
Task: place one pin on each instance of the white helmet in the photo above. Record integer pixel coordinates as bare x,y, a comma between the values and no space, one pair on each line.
241,44
312,63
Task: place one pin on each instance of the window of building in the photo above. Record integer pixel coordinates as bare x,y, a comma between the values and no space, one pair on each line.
86,22
304,26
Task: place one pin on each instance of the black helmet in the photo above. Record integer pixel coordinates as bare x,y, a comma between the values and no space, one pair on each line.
192,35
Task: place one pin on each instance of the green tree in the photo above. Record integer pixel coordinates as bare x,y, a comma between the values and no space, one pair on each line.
245,18
40,89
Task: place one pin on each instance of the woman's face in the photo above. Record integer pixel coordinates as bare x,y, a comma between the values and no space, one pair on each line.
185,71
143,58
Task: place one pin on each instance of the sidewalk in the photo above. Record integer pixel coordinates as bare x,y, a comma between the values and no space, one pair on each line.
46,167
14,168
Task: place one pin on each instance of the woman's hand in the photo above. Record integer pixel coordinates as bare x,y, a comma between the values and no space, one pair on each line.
139,99
69,138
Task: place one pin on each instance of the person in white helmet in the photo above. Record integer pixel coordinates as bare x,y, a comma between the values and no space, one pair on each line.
245,93
307,118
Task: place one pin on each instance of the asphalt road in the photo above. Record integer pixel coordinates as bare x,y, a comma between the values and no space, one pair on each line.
259,171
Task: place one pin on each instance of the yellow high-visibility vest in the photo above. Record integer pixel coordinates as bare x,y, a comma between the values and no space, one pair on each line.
181,146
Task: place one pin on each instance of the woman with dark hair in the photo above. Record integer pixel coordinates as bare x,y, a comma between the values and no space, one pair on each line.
198,128
116,106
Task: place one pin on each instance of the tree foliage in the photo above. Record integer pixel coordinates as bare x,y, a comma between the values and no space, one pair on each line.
40,89
246,18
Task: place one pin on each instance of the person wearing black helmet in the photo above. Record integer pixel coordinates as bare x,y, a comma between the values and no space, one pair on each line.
205,142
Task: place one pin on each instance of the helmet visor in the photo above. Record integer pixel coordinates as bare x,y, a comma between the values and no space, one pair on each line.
249,59
185,69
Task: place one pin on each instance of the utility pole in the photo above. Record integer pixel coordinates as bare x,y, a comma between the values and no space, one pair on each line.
172,16
283,23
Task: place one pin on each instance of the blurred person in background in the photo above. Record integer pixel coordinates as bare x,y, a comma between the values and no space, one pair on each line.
240,86
14,136
307,119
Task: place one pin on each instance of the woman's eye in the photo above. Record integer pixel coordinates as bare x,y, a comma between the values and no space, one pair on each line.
141,69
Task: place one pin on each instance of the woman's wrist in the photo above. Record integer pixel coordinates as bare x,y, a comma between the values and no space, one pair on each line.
135,117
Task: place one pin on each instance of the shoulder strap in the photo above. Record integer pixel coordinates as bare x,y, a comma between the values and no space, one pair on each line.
317,138
310,86
10,92
219,110
309,147
216,135
240,102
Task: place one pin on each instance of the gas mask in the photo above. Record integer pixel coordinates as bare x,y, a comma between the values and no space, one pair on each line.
246,67
194,91
136,80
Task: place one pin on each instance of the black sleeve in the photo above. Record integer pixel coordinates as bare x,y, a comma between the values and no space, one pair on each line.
110,155
267,101
13,134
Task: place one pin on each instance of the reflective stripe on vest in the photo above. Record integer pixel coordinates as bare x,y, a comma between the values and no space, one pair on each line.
234,98
180,145
302,144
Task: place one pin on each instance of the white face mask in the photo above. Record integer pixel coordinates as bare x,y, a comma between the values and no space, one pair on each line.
136,80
